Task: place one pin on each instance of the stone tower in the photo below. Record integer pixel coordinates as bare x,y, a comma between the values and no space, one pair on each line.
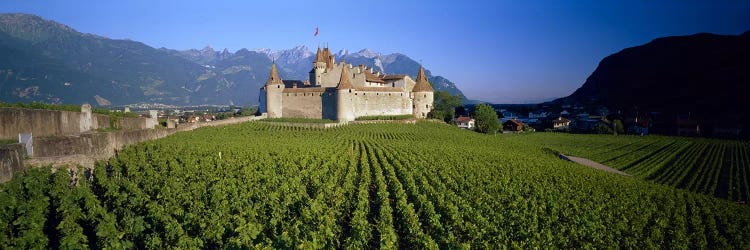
345,102
274,88
423,95
319,66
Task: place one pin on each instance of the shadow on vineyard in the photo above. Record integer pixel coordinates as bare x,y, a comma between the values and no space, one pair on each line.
409,186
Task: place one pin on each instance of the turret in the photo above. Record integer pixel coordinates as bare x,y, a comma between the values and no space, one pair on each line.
422,95
274,89
319,66
344,92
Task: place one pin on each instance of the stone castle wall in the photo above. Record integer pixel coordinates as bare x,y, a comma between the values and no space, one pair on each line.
38,121
369,103
313,104
323,105
42,122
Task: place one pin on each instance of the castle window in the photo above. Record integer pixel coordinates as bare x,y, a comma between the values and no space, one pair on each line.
425,96
427,106
351,91
278,86
389,94
355,93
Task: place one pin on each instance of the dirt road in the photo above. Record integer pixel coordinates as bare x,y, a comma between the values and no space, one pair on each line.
593,164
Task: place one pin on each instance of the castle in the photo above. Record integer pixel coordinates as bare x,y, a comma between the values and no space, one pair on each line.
343,92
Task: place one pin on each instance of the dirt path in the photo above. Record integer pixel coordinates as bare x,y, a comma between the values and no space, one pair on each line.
593,164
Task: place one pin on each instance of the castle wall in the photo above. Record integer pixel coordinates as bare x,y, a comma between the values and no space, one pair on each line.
313,103
42,122
368,103
303,105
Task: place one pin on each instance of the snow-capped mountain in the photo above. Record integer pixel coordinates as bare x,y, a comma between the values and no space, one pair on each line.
290,56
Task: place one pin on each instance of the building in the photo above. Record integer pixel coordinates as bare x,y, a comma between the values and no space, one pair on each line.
513,126
561,123
343,92
465,122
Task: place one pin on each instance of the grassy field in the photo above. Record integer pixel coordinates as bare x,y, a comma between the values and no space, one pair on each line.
409,186
715,167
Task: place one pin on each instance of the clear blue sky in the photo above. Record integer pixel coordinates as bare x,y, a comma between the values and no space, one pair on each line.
496,51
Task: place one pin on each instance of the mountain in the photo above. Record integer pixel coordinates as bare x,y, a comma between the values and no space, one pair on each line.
706,76
45,61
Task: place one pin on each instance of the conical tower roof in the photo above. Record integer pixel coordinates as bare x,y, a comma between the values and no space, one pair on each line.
422,84
274,78
319,57
344,82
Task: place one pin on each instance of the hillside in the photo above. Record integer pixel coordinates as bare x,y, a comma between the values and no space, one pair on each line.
418,186
704,75
45,61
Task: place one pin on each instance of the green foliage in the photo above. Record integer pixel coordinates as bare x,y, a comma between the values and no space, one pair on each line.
298,120
41,105
4,142
445,106
618,127
486,119
384,117
405,186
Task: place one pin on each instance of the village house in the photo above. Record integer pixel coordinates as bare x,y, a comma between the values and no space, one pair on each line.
465,122
513,126
561,123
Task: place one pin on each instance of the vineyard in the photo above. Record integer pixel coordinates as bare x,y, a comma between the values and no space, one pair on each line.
715,167
407,186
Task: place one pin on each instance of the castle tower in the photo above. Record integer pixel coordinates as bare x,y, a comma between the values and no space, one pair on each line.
319,66
423,95
345,102
274,88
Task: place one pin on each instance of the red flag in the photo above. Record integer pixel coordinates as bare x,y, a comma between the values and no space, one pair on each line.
316,31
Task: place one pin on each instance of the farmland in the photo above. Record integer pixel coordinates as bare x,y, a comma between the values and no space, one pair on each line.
423,185
714,167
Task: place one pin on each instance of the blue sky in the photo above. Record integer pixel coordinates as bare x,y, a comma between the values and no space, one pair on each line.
496,51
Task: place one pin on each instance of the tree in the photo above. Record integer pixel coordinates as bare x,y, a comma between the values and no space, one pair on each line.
486,119
618,127
445,106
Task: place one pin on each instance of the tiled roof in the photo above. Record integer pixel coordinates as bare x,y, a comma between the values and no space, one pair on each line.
422,84
463,119
379,89
305,90
274,78
344,82
393,77
319,56
370,77
516,122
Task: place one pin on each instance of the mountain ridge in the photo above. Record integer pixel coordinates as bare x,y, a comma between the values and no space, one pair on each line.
42,60
703,76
